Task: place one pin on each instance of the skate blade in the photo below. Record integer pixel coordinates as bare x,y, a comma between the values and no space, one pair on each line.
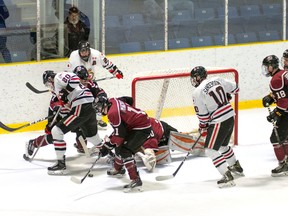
279,174
57,173
226,185
135,189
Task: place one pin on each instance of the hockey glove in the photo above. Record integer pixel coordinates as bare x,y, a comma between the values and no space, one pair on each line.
275,116
229,97
105,149
267,100
118,74
203,129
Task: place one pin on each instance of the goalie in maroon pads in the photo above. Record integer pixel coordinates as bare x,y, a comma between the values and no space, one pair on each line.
131,129
155,150
279,116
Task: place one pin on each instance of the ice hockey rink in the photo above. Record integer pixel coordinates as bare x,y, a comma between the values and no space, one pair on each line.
27,190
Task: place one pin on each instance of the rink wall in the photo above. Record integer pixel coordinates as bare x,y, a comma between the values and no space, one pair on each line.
20,105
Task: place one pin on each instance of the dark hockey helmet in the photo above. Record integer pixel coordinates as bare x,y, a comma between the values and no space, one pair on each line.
284,60
84,50
81,72
46,75
272,61
100,103
197,75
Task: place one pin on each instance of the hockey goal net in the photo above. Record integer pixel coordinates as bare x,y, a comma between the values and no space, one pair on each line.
167,95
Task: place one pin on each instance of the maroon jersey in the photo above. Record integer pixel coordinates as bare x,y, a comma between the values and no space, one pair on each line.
279,88
157,128
124,118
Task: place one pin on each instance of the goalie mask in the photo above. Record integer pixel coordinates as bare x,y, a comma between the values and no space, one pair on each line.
84,50
197,75
268,63
48,77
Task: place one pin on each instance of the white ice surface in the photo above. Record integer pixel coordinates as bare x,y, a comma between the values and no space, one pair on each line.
27,190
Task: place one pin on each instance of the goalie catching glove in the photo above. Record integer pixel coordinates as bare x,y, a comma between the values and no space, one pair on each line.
275,115
268,100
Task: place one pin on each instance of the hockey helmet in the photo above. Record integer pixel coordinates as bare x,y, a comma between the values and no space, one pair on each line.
284,60
84,50
272,61
46,75
100,103
197,75
81,72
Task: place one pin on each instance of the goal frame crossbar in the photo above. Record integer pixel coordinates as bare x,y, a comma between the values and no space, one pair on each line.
187,74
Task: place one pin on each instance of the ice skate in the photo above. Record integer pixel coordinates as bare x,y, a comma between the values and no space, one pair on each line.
116,173
133,185
79,149
226,181
280,170
236,169
58,169
30,148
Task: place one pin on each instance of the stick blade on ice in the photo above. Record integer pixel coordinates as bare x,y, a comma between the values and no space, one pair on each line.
163,178
75,180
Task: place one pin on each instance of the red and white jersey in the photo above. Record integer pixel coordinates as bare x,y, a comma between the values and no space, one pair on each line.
279,88
77,93
124,118
96,59
210,100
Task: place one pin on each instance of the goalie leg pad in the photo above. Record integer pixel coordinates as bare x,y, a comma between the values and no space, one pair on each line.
183,143
163,155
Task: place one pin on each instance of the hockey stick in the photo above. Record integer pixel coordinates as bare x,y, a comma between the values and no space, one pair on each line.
274,127
104,78
32,88
162,178
5,127
26,157
79,181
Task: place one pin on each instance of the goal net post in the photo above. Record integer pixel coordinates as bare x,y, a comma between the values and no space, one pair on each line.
167,96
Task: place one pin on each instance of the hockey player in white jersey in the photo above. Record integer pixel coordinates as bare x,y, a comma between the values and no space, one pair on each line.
216,121
91,59
71,92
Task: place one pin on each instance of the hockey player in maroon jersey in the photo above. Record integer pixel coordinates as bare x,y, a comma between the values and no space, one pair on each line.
131,129
216,121
279,116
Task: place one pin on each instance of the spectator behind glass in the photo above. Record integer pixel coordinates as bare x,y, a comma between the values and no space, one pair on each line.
74,31
4,14
153,12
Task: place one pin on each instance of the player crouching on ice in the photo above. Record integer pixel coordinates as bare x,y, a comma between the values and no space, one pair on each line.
131,129
216,121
